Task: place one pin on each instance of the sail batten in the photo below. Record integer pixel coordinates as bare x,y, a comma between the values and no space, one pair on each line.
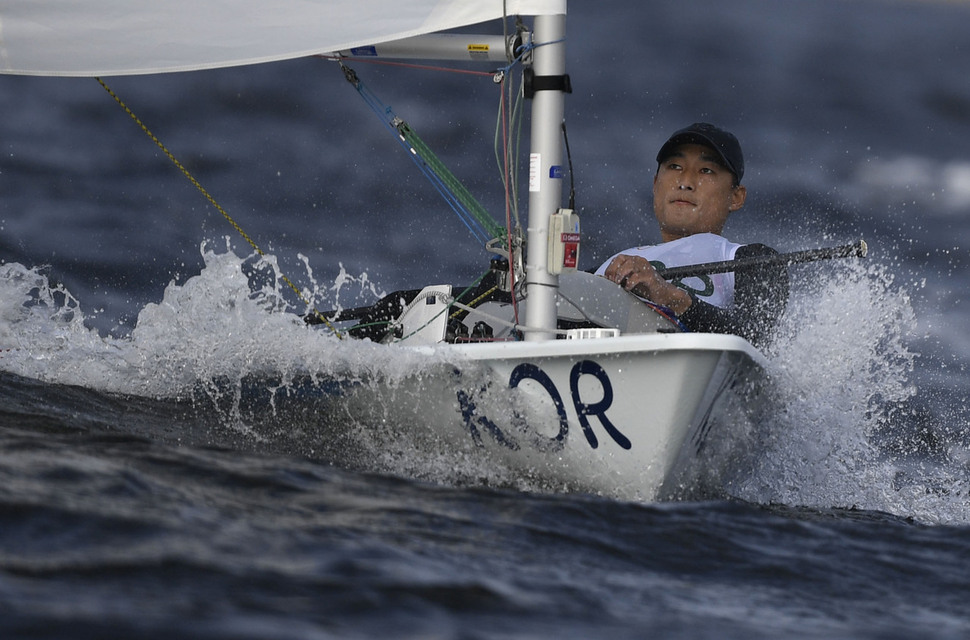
132,37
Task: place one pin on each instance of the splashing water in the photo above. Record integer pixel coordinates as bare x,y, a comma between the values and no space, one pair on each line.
227,343
840,368
229,321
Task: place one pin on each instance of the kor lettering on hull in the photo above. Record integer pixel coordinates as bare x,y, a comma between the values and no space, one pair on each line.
478,422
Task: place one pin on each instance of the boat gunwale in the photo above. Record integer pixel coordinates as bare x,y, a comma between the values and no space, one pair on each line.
592,347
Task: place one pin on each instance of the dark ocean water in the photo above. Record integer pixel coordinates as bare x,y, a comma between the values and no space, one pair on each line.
170,465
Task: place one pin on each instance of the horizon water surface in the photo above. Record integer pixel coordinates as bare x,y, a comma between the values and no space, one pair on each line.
170,468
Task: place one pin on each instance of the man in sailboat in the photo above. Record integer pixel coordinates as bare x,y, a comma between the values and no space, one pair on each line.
696,188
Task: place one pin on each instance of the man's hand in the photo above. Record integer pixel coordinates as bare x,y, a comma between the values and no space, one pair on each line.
637,275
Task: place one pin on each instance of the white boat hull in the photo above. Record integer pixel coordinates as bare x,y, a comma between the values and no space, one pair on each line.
621,416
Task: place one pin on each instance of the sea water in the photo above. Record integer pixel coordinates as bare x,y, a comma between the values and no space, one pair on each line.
173,464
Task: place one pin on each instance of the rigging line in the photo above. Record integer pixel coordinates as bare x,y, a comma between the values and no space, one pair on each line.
473,302
388,118
513,146
523,50
505,29
536,45
211,200
504,120
515,122
407,65
449,302
469,211
508,204
455,189
447,190
515,326
569,157
448,299
511,194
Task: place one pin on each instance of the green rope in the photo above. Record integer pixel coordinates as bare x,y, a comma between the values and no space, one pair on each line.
457,189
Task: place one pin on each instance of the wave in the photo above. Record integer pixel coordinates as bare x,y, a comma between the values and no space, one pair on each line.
224,359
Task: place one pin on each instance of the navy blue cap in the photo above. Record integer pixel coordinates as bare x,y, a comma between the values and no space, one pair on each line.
723,142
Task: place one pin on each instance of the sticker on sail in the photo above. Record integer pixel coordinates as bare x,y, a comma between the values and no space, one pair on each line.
369,51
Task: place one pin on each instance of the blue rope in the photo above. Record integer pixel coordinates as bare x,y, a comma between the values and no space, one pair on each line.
387,116
524,49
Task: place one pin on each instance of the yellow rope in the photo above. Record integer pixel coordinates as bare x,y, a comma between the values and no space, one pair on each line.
211,200
473,302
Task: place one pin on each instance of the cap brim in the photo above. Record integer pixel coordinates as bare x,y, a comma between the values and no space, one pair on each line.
692,137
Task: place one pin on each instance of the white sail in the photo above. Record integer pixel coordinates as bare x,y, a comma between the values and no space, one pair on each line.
128,37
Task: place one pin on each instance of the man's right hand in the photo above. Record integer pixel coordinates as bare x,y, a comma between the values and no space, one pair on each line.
639,277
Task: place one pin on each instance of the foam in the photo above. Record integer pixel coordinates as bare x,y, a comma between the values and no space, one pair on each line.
842,370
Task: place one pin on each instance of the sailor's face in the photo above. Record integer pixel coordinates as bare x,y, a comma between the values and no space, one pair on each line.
694,193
